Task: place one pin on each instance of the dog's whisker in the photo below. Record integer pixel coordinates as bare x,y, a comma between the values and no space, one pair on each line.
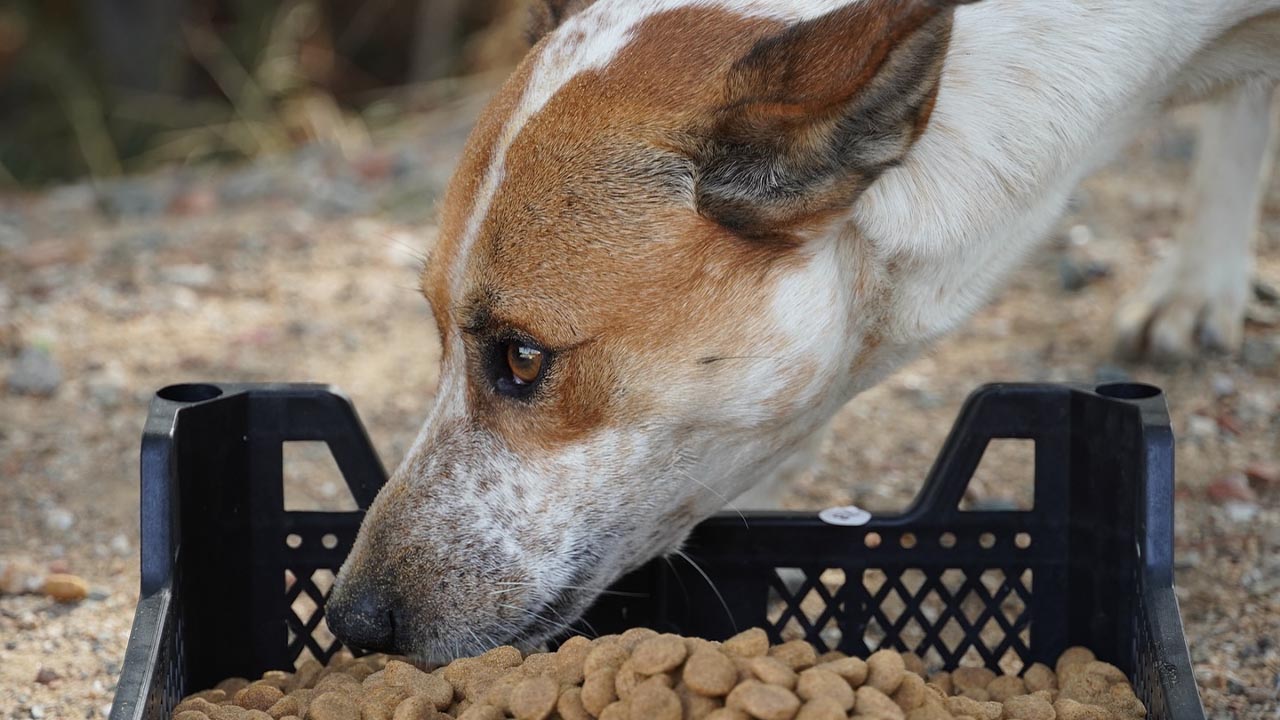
567,587
684,556
538,618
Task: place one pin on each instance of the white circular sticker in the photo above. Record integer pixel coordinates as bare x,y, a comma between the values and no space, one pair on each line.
848,515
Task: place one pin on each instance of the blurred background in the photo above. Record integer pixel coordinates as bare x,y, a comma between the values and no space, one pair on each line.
96,88
245,190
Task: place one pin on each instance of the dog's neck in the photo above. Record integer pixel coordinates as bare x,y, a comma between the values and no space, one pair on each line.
1027,107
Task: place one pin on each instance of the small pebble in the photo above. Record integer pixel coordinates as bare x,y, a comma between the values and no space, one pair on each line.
65,588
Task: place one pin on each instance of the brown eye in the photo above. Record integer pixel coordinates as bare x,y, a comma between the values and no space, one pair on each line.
525,363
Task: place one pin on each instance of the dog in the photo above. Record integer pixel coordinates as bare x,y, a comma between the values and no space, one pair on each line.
685,232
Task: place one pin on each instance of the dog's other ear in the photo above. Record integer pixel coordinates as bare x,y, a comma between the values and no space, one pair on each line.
546,15
814,113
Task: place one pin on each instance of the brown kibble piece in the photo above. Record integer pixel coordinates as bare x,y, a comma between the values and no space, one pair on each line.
961,705
284,707
1085,688
1072,710
831,656
598,690
1104,669
258,696
823,708
626,680
338,681
228,712
975,693
728,713
615,711
1072,656
569,706
658,654
534,698
772,671
748,643
632,638
195,704
1048,696
1121,701
796,654
766,702
1040,677
871,702
503,656
696,705
853,670
963,678
929,711
190,715
653,700
416,707
380,702
334,705
480,711
603,656
232,685
817,682
256,715
1005,687
1025,707
539,664
570,659
885,671
910,693
499,692
708,672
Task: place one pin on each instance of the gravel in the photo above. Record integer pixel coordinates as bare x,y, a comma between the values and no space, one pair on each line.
35,373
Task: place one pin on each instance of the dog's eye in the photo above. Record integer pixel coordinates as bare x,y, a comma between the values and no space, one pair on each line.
525,362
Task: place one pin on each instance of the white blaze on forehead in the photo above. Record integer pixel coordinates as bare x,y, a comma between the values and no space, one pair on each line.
589,41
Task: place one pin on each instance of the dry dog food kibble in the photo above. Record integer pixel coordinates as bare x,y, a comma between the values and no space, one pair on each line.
644,675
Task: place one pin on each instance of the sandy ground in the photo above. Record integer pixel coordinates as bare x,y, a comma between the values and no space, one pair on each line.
302,268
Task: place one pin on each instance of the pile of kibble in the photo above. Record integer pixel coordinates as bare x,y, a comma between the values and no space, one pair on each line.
641,675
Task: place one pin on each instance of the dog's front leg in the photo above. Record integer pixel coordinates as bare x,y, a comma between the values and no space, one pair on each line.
1196,299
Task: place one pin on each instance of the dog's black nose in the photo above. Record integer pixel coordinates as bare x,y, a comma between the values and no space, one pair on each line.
362,620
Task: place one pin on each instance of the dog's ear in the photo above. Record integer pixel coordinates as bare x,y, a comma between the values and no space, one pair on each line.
546,15
814,113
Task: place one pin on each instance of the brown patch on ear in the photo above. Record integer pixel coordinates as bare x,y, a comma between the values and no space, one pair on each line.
816,112
547,15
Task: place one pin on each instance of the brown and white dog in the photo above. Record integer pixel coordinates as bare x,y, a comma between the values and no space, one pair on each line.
685,232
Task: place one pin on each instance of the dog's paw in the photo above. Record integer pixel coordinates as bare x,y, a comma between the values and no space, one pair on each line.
1182,314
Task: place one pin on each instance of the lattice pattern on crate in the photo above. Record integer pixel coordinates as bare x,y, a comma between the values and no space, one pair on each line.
949,617
168,683
309,637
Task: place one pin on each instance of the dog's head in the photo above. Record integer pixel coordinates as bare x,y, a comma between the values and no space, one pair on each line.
648,293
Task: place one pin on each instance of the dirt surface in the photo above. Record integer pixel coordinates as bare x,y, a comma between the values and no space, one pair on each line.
303,268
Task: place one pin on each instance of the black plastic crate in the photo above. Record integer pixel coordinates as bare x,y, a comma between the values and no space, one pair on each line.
1090,564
